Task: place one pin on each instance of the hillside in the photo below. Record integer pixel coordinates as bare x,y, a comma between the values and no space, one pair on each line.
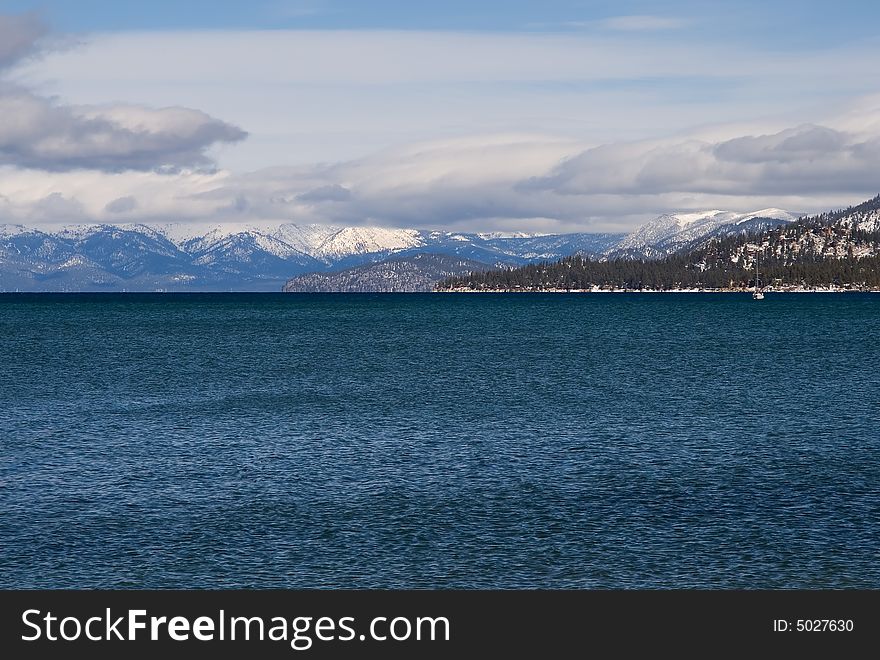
671,234
417,273
839,248
187,257
222,257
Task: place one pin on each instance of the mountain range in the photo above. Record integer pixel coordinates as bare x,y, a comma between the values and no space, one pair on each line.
228,257
849,235
670,234
835,250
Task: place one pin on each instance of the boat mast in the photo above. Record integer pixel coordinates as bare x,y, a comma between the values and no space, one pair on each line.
757,259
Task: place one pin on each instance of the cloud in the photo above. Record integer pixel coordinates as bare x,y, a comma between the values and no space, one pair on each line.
490,182
43,133
121,205
378,88
345,94
40,133
806,159
383,57
801,143
507,182
19,37
331,193
55,206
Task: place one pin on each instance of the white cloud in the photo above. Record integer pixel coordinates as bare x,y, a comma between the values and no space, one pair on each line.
43,133
94,196
37,132
383,57
495,182
311,96
802,160
492,131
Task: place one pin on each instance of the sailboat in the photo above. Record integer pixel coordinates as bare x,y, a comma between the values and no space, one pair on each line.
758,293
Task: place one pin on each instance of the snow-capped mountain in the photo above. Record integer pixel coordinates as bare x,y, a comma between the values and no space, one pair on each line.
850,234
243,257
264,256
839,250
668,234
325,243
341,242
864,217
8,231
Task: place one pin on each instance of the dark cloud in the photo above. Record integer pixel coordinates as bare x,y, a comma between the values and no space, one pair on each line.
472,185
477,185
42,133
57,207
39,133
238,205
331,193
803,142
122,205
20,37
802,160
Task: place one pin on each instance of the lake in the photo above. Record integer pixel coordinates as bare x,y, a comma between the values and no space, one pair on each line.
439,441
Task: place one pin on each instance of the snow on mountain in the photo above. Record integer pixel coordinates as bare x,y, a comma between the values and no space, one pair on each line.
325,243
863,220
362,240
771,213
8,231
218,256
488,236
75,261
641,242
305,238
180,233
849,234
712,223
241,245
275,246
79,232
261,256
670,233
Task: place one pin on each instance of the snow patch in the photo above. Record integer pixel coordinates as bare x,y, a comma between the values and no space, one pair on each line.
8,231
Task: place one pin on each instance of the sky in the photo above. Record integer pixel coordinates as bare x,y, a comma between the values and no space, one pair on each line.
549,116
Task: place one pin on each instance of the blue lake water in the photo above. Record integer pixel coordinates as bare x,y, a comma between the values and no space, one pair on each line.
426,441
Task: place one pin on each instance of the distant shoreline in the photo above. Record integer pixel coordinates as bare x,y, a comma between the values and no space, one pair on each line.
600,290
488,291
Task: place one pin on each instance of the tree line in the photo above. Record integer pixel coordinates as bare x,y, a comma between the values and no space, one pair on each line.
578,272
815,251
